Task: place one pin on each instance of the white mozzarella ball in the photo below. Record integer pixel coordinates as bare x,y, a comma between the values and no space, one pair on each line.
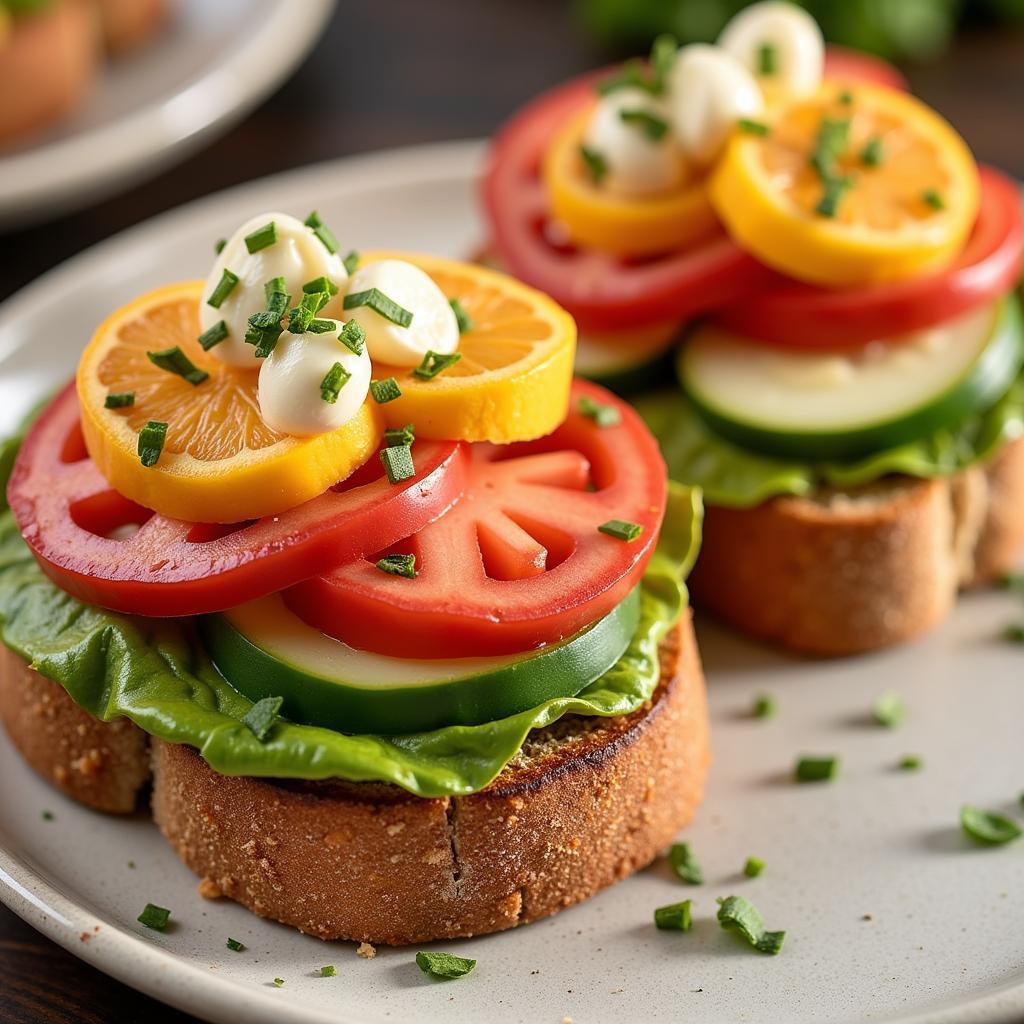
709,91
795,42
290,381
433,326
298,256
637,165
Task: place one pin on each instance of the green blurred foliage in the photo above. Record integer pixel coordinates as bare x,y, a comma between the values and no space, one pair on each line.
913,29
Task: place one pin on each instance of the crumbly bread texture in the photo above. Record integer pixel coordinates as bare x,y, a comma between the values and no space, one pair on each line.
848,572
587,802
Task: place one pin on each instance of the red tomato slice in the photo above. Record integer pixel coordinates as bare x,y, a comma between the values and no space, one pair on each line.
519,561
108,551
797,315
601,291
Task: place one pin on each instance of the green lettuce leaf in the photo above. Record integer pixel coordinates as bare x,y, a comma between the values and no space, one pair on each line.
156,673
731,476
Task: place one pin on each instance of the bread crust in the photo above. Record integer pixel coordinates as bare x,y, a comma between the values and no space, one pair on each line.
848,572
586,803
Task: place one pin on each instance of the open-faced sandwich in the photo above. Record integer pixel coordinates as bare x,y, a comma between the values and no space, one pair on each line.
851,402
335,553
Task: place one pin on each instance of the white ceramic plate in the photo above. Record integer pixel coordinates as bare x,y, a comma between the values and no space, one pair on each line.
212,63
944,941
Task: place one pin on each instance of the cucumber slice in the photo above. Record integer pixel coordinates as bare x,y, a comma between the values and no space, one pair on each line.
626,366
265,650
848,403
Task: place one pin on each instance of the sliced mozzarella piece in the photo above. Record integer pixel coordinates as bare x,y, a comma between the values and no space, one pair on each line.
709,91
780,43
637,165
290,377
298,256
433,326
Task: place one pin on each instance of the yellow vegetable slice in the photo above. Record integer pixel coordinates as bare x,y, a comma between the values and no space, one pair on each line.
906,210
220,462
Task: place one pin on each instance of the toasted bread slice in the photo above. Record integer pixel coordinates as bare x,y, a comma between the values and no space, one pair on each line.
845,572
586,802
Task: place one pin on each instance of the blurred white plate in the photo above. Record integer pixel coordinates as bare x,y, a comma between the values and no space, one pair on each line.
944,942
212,63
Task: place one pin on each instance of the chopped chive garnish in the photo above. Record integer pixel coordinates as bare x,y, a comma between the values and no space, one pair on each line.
889,710
218,246
765,706
871,154
602,415
151,442
737,914
48,816
275,286
334,380
261,237
1014,633
376,300
351,262
278,982
767,59
910,763
829,144
264,338
353,337
235,946
462,318
435,363
119,400
302,315
846,97
213,336
444,965
397,463
653,126
835,189
154,917
320,284
328,971
398,565
224,288
631,74
385,391
323,232
320,326
663,56
685,864
396,437
816,769
676,917
933,198
263,716
753,867
173,360
1013,581
595,164
987,827
620,529
752,127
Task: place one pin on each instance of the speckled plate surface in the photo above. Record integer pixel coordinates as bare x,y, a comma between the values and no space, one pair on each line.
892,915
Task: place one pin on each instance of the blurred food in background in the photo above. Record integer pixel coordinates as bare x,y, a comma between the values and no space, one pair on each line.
896,29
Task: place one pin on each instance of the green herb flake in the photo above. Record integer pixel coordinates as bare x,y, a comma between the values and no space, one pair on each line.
829,145
278,982
334,380
398,565
737,914
397,463
151,442
119,400
462,318
302,315
235,946
620,529
752,127
831,197
889,710
767,59
214,336
631,75
328,972
396,437
261,718
765,706
1014,581
353,337
846,97
685,864
816,769
595,164
48,816
225,286
753,867
265,339
351,262
444,965
1014,633
173,360
276,286
154,917
218,246
676,917
261,238
871,154
655,128
320,284
988,827
933,198
322,231
663,56
320,326
435,363
603,415
385,391
375,299
910,763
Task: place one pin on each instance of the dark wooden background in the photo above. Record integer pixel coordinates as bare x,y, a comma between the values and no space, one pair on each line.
390,73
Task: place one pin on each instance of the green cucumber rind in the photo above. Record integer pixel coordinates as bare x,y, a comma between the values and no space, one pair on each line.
634,376
561,670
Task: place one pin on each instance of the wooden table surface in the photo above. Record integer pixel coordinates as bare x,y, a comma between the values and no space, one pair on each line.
387,74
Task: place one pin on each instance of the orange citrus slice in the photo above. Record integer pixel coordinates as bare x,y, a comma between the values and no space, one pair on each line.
220,462
512,379
906,199
593,217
